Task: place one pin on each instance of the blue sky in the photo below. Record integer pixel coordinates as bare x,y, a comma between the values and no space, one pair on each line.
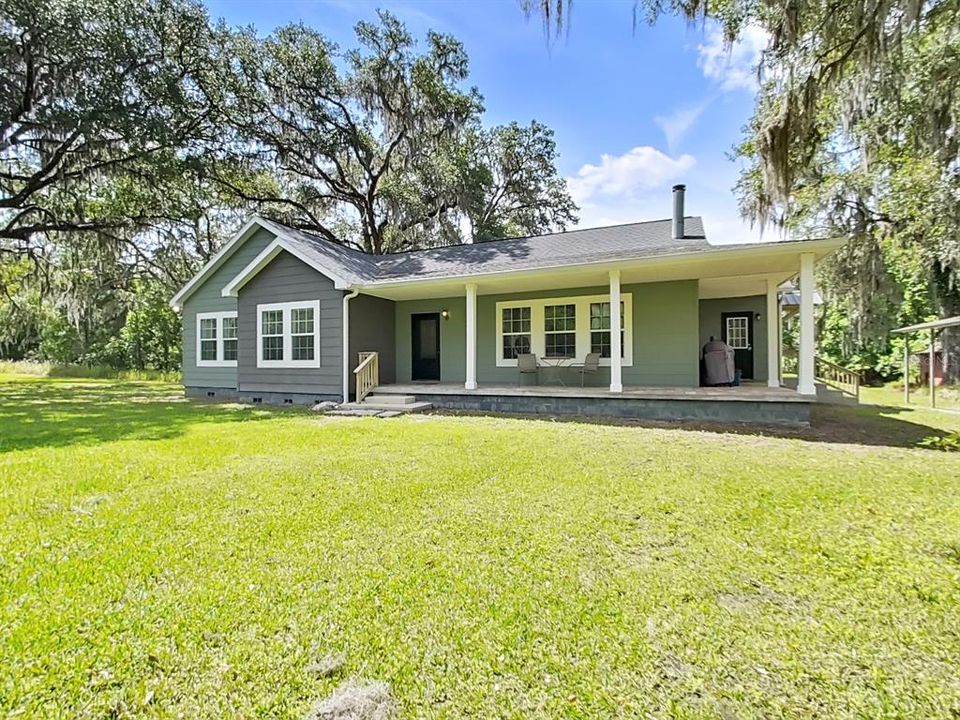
634,111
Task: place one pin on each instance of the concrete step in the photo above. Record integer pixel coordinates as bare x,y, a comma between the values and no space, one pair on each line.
383,410
826,393
832,396
395,407
354,411
376,399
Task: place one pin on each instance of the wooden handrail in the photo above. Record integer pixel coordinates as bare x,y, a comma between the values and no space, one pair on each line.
368,373
842,378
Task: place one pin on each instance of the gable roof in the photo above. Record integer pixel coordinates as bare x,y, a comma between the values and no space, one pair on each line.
344,266
574,247
248,229
350,268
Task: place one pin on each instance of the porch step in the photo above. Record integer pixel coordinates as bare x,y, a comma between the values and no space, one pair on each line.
389,399
379,409
825,393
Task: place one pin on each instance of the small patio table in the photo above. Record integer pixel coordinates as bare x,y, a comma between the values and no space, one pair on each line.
553,366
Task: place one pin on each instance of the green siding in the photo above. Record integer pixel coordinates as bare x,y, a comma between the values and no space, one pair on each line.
453,336
207,298
710,324
665,333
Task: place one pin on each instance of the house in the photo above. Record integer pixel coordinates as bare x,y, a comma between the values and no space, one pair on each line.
282,316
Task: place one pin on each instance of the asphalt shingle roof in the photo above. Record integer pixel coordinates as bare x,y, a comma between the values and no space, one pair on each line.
576,247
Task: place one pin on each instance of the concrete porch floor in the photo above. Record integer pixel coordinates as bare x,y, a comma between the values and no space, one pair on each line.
749,392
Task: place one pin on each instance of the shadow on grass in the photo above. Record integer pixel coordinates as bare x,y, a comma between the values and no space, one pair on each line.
58,413
873,425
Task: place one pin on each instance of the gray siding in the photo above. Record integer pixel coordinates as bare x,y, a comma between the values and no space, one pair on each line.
207,298
710,324
453,336
372,328
284,280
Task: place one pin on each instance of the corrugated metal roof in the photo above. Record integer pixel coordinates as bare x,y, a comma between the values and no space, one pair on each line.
932,325
791,298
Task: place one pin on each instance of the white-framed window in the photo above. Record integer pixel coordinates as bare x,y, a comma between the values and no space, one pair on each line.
515,335
217,339
738,332
600,328
562,328
288,334
230,338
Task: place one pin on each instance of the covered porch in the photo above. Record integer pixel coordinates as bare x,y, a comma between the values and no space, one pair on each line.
463,338
753,403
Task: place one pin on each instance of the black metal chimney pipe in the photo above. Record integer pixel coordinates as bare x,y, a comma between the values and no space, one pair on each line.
678,191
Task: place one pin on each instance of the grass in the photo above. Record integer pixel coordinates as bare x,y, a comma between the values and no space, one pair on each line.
165,559
948,396
45,369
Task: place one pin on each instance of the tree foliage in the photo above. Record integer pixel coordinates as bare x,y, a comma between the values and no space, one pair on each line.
854,133
135,137
359,140
101,105
511,186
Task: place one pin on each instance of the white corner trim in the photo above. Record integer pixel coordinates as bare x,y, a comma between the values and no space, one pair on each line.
287,362
218,316
266,256
538,336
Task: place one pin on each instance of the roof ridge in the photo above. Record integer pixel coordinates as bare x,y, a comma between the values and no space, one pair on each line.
544,235
318,238
376,259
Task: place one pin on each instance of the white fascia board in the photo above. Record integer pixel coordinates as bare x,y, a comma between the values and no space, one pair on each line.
266,257
821,247
225,252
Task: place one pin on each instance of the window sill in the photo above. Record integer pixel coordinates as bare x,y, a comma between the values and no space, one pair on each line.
302,364
216,363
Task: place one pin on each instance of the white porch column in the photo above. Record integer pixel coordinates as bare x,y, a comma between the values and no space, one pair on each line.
805,353
471,380
773,334
616,360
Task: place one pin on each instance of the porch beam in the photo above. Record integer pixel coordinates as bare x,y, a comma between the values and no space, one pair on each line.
773,334
906,370
616,359
471,379
931,369
805,366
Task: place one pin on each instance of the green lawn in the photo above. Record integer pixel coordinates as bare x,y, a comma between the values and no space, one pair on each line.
948,397
160,558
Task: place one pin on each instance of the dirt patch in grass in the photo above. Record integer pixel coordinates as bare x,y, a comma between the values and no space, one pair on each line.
355,701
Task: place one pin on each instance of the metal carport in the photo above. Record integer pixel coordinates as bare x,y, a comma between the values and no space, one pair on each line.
932,326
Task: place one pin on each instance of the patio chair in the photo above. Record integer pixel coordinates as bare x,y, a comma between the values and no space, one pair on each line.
527,363
591,365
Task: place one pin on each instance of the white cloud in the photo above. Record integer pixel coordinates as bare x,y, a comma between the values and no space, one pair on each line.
676,125
724,228
733,66
627,188
624,176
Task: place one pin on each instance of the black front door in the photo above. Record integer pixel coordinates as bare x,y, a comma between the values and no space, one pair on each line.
737,330
426,347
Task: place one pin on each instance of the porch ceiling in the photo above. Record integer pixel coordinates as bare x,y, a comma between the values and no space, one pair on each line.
739,286
737,271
